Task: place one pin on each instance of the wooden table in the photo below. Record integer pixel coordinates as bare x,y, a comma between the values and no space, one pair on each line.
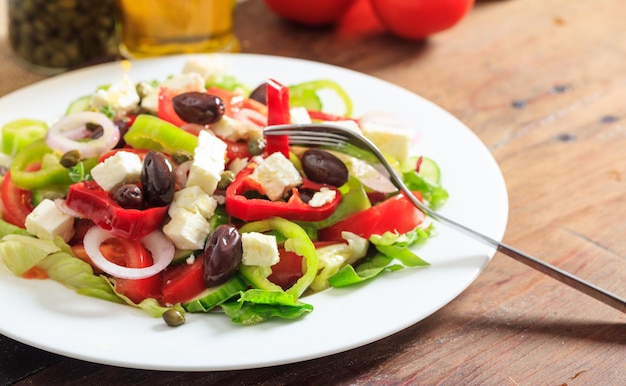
543,84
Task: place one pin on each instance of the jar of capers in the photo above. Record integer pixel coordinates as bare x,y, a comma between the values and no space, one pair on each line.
56,35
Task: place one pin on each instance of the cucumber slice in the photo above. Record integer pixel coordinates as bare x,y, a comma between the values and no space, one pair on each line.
429,170
78,105
214,296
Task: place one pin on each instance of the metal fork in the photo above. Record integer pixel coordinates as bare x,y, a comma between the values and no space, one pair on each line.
337,138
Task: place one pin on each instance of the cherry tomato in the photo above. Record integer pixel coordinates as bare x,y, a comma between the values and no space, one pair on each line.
417,19
182,282
132,254
309,12
16,204
378,219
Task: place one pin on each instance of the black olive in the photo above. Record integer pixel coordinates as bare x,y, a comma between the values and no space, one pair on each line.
222,255
157,179
129,196
323,167
259,94
198,107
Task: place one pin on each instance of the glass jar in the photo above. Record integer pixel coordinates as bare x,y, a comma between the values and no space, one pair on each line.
52,36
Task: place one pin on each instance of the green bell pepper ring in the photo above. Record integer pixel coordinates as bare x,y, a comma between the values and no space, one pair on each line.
51,174
297,241
20,133
305,95
152,133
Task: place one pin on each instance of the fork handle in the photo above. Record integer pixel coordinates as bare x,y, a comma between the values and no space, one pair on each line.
541,266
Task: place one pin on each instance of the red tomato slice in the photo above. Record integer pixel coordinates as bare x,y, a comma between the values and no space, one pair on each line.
182,282
236,150
132,254
396,214
16,202
166,109
288,270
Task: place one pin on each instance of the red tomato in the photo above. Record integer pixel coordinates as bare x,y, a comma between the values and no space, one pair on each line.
236,149
16,204
288,270
132,254
166,109
417,19
309,12
182,282
396,214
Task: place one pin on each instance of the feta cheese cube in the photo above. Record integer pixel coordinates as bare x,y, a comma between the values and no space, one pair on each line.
193,199
234,129
122,167
323,197
299,115
392,141
121,96
276,175
187,230
259,249
211,67
208,162
46,221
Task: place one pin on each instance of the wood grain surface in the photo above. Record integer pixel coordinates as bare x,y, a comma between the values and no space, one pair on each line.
543,84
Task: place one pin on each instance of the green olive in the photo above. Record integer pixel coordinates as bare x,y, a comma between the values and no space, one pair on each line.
173,317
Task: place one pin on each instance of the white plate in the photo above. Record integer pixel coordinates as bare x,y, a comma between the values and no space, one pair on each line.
46,315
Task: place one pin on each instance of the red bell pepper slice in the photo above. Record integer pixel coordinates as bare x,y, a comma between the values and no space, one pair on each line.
277,96
90,200
252,209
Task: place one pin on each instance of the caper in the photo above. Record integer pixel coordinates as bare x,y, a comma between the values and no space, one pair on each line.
129,196
199,107
95,130
158,179
256,146
173,317
70,158
181,156
222,255
323,167
226,178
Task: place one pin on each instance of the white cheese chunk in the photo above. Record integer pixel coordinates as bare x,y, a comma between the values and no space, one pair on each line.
193,199
187,230
46,221
211,67
391,140
299,115
276,175
259,249
208,162
122,167
121,96
323,197
235,130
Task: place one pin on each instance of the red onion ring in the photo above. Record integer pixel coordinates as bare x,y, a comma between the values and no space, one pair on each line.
62,136
157,243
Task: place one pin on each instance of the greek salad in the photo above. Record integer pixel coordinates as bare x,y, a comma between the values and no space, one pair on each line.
165,195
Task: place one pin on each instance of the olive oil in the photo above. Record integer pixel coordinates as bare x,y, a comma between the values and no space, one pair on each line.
163,27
